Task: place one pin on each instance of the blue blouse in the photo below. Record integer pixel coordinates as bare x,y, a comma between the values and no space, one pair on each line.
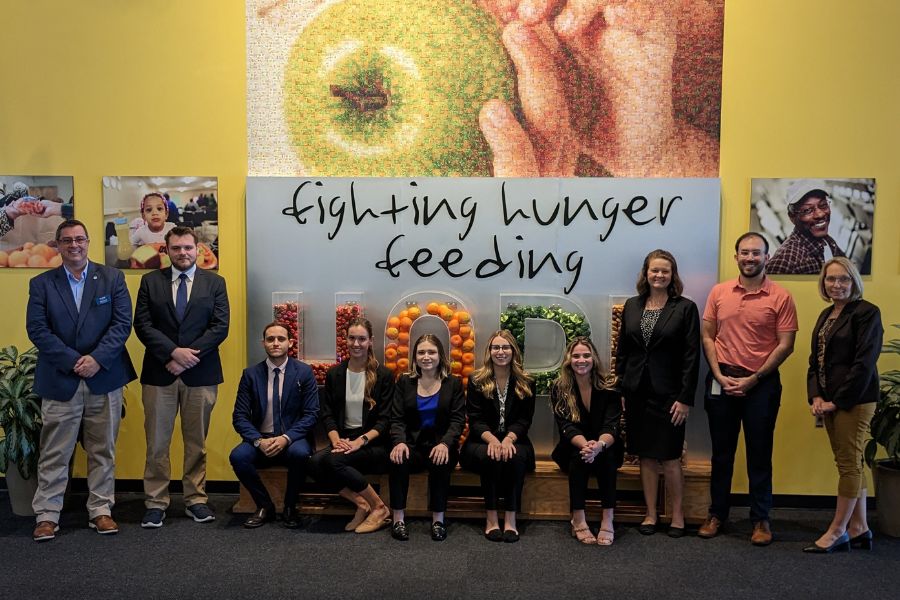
427,409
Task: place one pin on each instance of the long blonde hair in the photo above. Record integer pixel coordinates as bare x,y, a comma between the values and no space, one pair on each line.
371,361
483,378
565,404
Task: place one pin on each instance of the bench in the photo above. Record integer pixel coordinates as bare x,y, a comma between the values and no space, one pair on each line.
546,495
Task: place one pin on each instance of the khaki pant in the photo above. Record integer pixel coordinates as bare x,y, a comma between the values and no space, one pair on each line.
161,405
99,415
847,430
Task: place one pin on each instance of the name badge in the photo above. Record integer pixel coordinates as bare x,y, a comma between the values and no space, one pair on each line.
103,300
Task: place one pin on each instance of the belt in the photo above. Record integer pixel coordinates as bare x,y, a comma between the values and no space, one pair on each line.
733,371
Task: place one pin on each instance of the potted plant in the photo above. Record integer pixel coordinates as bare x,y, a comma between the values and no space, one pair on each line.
20,420
885,429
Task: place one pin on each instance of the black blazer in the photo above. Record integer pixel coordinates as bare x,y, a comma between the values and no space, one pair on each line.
672,358
333,402
851,353
484,413
448,423
606,410
204,327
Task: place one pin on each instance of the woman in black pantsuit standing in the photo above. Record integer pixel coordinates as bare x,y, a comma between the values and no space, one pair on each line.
500,407
354,407
427,417
657,360
587,412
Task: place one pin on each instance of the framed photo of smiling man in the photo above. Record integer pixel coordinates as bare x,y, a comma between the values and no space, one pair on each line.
808,221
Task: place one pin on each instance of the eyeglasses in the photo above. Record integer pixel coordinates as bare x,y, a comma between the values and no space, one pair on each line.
67,241
823,205
500,348
842,279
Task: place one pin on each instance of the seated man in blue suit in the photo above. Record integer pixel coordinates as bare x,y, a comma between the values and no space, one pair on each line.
78,317
275,410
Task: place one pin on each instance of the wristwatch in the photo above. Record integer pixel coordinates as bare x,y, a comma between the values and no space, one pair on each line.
365,439
602,446
256,442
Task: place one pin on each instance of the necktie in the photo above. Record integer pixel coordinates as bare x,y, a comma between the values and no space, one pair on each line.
276,403
181,297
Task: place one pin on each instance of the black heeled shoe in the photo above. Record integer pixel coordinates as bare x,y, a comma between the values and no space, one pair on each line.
842,544
863,541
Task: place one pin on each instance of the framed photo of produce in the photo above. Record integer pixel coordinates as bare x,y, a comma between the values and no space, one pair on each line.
31,207
138,212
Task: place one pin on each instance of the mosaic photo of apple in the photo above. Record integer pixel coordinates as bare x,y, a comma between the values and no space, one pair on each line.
31,208
475,88
138,212
809,220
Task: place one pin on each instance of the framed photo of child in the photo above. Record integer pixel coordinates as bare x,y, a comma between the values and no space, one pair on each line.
138,212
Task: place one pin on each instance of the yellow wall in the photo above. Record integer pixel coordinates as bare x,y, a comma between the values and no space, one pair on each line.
157,87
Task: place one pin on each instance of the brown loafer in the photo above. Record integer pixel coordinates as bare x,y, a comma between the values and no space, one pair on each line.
762,535
373,523
104,525
710,527
44,531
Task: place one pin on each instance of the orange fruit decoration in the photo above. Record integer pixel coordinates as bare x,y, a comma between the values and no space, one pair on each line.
433,308
467,370
403,337
403,351
468,358
463,317
465,331
405,323
391,345
403,364
453,326
403,313
456,367
456,354
456,341
446,312
414,312
468,345
390,353
392,366
391,333
394,322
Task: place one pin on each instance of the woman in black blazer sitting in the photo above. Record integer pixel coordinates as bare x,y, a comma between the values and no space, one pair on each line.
427,417
587,412
354,408
500,407
842,384
657,361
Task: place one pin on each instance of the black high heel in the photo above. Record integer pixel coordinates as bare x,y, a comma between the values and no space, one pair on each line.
842,544
863,541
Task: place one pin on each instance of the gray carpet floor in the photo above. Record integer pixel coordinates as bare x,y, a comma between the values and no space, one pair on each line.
184,559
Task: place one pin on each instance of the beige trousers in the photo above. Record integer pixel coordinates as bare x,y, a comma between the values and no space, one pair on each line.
847,431
99,415
161,405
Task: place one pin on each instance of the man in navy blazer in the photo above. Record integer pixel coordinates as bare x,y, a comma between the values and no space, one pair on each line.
181,316
78,317
275,411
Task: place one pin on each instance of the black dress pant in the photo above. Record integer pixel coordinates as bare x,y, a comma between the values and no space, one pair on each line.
499,478
338,470
604,468
438,478
756,412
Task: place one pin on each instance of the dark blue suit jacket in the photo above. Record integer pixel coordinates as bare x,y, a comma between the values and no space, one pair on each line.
63,334
204,327
299,401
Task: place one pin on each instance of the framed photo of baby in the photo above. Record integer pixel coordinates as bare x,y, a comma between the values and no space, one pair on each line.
138,212
809,220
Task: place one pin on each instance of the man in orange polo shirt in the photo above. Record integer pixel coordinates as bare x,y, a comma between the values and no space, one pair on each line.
748,330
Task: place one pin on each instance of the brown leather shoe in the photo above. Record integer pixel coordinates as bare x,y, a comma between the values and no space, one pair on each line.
44,531
710,527
104,525
762,535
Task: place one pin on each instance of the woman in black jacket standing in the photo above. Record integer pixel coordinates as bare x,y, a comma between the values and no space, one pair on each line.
500,407
657,361
842,384
354,408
